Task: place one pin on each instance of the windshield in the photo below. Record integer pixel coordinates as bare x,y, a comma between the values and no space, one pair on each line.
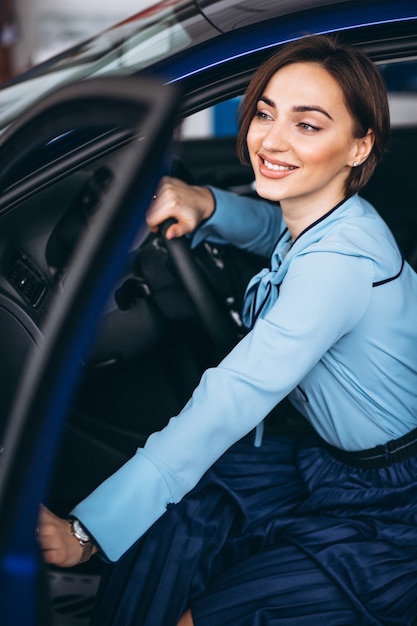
150,36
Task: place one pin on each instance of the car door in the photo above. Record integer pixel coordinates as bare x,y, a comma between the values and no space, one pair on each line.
130,119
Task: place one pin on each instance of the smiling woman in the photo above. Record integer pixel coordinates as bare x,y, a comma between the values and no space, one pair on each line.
210,527
340,80
301,144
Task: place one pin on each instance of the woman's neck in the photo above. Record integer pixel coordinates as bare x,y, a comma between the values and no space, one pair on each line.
299,215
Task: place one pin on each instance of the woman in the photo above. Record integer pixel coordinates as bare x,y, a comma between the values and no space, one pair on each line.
292,529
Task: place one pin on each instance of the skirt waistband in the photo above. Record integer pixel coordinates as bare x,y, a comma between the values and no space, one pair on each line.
381,456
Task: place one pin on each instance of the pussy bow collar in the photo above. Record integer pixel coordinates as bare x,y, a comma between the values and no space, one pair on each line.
351,227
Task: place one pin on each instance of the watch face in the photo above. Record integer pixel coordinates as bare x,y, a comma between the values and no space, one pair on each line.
79,531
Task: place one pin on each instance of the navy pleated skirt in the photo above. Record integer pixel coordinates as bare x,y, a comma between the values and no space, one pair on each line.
284,535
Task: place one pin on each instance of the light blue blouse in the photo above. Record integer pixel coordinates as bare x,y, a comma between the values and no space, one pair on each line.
333,326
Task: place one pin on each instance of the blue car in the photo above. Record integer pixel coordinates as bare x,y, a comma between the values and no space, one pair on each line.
105,328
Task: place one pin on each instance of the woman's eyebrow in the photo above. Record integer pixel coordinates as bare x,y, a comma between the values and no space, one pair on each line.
267,101
302,108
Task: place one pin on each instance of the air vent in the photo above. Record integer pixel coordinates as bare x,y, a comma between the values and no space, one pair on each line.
26,279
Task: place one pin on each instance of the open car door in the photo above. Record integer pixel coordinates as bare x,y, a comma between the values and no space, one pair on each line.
48,314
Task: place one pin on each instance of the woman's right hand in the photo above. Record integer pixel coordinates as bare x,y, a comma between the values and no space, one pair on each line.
187,204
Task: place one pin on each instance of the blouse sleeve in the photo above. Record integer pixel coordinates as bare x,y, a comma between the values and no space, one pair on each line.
315,308
249,223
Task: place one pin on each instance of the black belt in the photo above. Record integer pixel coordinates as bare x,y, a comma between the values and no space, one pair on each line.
381,456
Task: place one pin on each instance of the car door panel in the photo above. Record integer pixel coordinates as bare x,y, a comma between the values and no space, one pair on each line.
50,374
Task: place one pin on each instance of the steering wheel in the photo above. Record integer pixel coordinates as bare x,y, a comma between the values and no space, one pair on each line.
216,320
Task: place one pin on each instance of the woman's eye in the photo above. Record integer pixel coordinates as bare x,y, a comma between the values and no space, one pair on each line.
263,115
307,127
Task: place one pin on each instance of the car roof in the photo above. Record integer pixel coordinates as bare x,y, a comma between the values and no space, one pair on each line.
227,16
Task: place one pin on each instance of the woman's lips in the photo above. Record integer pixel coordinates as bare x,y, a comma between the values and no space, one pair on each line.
275,169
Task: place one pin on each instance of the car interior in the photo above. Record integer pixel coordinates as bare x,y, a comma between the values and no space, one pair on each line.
173,312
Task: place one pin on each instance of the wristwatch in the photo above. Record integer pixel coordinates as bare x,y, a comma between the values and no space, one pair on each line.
84,539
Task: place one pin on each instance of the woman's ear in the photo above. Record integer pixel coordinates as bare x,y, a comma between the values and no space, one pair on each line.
363,148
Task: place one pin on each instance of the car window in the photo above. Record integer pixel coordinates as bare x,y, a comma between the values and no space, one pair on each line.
401,81
150,36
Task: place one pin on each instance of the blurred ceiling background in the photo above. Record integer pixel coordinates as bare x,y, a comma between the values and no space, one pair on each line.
33,30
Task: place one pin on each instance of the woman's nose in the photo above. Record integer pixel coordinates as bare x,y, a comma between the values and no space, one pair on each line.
276,139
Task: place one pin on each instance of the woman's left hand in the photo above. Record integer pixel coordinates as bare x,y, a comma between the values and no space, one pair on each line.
59,546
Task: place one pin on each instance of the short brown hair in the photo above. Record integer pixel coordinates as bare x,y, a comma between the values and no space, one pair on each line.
362,85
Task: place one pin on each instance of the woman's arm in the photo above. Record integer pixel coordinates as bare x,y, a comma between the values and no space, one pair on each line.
315,309
249,223
218,216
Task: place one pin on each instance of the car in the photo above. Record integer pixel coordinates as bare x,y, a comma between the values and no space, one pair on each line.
105,328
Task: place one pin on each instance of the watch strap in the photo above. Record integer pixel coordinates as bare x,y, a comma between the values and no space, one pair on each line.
84,539
87,551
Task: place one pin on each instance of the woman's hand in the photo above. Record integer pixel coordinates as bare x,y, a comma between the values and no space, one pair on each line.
59,546
188,204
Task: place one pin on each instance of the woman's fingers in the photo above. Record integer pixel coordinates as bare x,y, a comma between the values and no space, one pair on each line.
172,200
187,204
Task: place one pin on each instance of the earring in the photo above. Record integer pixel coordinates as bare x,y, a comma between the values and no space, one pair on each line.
355,163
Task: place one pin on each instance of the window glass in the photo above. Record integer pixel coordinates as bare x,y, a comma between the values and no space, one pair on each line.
401,81
152,35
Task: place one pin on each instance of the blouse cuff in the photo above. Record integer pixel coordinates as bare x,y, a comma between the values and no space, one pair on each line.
122,508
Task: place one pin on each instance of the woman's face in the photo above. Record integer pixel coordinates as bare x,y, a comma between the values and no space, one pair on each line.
301,142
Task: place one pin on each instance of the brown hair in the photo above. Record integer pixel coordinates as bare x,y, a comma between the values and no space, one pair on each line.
361,83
